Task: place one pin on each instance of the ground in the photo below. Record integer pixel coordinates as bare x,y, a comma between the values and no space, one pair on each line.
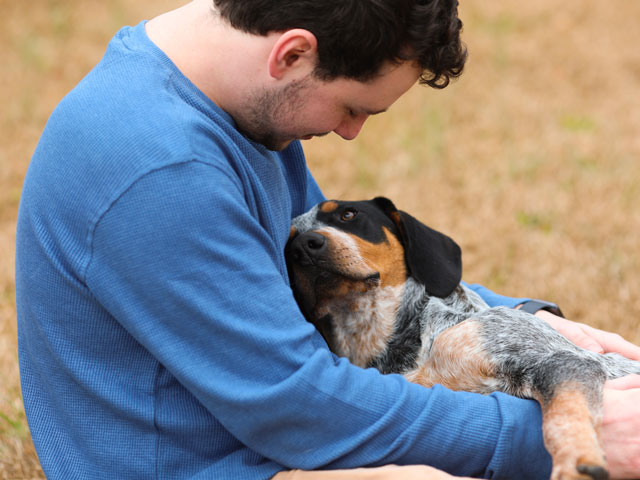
530,160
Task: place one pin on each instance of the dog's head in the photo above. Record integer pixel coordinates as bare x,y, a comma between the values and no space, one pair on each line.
342,249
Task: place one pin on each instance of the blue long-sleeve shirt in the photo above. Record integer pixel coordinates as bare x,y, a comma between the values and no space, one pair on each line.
158,336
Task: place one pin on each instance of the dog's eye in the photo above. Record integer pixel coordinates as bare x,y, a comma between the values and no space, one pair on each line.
348,215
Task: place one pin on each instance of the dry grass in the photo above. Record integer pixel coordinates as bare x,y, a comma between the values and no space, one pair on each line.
530,160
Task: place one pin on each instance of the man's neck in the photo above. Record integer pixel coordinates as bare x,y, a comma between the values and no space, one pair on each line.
218,59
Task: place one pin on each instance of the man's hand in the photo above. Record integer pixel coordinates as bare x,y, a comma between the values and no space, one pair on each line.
591,338
620,431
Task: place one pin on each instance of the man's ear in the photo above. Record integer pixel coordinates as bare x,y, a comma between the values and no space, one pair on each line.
295,49
432,258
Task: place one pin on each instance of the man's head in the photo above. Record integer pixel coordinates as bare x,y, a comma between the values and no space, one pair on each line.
310,107
332,63
355,38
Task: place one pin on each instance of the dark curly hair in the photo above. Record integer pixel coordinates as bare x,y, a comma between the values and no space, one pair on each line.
356,37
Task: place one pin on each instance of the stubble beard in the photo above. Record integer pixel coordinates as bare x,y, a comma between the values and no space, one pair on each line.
266,109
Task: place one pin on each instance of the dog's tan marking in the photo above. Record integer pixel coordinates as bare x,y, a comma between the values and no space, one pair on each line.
344,254
457,361
571,430
292,232
386,258
329,206
354,257
397,219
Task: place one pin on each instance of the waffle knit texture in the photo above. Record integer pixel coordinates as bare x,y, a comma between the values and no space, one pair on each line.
158,336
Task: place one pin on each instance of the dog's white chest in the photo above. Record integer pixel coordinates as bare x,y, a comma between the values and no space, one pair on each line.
363,324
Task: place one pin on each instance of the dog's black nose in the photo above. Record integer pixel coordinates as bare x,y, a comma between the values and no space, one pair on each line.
305,247
314,241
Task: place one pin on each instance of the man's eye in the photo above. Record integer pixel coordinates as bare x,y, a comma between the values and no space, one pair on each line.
348,215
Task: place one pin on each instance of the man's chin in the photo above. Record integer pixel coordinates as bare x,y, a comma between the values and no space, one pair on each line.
285,143
277,144
268,141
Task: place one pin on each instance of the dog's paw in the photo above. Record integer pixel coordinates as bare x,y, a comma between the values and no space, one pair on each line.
584,471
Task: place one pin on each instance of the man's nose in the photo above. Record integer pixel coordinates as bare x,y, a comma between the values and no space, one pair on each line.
351,126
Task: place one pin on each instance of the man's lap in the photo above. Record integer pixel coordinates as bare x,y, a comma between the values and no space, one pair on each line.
409,472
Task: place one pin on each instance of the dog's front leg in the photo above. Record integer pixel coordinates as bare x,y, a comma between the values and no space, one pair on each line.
570,424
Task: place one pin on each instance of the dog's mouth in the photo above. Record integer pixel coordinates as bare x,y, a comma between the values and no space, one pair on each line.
316,282
325,276
323,272
322,268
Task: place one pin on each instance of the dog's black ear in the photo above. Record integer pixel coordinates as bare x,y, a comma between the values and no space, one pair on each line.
432,258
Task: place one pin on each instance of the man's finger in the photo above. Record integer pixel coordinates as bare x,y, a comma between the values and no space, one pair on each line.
612,342
624,383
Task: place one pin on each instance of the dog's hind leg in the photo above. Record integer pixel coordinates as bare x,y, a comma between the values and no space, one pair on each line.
458,361
569,390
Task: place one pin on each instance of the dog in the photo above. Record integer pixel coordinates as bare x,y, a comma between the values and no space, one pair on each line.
385,291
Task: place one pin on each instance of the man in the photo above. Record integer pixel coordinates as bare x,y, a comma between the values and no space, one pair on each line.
158,335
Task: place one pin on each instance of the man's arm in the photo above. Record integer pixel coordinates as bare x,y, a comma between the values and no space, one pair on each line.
192,275
314,194
493,299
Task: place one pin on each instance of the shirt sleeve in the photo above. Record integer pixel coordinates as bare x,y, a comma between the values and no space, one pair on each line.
187,270
314,194
495,300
